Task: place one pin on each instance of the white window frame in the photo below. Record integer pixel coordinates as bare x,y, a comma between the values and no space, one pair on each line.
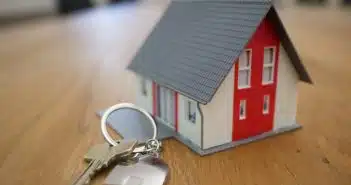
143,85
269,65
190,116
242,102
266,97
246,68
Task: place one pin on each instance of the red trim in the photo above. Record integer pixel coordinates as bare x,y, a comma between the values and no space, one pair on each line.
256,122
154,99
235,103
176,111
155,108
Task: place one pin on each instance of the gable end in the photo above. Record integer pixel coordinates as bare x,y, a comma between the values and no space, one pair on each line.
288,45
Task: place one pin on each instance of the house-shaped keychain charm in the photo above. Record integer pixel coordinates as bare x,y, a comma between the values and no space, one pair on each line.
219,73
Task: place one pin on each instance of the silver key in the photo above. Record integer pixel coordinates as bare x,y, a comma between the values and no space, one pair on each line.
100,156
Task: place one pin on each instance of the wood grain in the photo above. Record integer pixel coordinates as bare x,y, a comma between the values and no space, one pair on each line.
55,73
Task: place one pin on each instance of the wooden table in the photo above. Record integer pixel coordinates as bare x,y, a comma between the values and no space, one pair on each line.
55,73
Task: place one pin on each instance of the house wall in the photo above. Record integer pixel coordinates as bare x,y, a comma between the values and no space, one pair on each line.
255,121
187,129
142,100
286,93
218,115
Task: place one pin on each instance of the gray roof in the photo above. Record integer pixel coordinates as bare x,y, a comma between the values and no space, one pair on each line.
195,44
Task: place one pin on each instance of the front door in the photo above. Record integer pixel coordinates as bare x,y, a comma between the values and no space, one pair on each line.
166,105
255,85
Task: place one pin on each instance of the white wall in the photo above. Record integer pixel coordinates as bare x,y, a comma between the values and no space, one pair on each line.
142,100
218,115
189,130
286,94
22,7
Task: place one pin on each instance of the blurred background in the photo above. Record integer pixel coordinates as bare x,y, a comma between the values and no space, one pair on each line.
14,11
62,60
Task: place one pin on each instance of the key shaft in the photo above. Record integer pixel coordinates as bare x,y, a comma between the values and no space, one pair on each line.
88,173
100,156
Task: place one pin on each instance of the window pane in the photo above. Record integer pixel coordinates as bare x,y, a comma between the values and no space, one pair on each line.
162,103
267,75
158,96
189,107
191,111
268,55
244,78
265,104
242,109
169,105
193,107
244,60
143,87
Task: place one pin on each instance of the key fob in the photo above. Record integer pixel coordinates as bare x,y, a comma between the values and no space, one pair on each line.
147,171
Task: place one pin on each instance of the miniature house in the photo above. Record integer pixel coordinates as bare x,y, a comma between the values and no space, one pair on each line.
219,73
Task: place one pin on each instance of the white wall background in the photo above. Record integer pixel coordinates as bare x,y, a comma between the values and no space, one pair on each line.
189,130
286,94
218,115
23,7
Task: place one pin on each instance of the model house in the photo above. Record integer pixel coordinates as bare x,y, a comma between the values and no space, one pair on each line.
219,73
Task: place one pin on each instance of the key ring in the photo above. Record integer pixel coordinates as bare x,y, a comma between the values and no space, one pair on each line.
116,107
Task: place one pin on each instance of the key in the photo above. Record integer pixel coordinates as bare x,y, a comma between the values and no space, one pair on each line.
100,156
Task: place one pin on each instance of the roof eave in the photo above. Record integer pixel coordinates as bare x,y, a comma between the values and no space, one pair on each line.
288,46
203,102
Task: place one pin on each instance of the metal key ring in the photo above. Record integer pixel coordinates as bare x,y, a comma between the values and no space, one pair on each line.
116,107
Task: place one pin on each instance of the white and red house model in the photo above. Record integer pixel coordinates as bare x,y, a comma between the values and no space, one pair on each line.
219,73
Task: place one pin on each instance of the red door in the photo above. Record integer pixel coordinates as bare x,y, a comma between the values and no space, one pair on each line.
255,84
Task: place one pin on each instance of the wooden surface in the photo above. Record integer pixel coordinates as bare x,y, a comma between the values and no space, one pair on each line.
55,73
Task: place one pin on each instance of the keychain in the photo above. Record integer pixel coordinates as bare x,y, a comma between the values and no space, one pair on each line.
144,166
